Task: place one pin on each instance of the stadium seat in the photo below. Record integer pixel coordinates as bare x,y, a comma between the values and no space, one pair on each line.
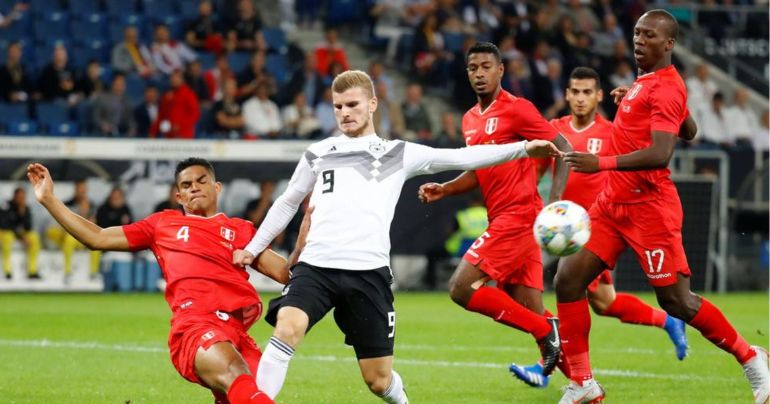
238,61
159,7
340,12
83,115
20,29
22,128
404,50
174,23
188,9
52,112
63,128
453,41
50,25
89,26
41,6
80,7
207,59
135,85
279,67
120,7
275,38
10,112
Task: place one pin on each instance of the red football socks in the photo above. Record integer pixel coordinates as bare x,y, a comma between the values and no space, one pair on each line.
575,324
710,321
496,304
244,391
633,310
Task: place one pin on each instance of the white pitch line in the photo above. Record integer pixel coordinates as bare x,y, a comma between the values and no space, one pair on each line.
86,345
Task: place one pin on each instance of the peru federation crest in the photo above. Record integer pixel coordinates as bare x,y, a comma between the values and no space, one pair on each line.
594,145
634,91
491,126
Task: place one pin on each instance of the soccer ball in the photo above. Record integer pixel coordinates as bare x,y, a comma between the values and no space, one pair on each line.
562,228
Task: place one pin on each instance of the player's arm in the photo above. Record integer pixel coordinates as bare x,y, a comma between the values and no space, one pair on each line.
85,231
274,266
280,213
432,191
689,129
560,169
657,155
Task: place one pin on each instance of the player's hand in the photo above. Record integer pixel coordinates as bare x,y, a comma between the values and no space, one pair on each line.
431,192
619,93
542,148
41,181
582,162
242,258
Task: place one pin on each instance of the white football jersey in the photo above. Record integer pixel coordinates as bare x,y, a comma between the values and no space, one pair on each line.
356,183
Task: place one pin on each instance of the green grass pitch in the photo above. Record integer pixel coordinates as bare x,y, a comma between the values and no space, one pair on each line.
60,348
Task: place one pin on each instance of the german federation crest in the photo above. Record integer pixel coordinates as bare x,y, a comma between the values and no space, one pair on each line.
594,145
491,126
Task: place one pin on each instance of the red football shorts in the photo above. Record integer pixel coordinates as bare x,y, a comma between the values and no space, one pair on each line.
653,229
605,277
509,254
192,331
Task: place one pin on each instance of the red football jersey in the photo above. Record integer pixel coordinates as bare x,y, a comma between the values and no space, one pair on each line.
656,102
595,138
510,188
195,254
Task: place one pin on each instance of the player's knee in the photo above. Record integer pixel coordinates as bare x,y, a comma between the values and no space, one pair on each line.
566,287
290,328
459,293
598,304
683,307
378,384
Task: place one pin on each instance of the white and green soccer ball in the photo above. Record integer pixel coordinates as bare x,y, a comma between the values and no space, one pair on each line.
562,228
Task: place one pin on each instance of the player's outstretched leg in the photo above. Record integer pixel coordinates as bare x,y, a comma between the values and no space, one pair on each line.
630,309
223,369
531,375
290,328
698,312
382,380
467,289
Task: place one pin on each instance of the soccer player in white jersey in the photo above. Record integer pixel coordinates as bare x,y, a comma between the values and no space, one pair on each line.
356,179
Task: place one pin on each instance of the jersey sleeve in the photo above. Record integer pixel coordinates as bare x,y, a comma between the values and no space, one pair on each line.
419,159
667,109
531,123
284,208
141,234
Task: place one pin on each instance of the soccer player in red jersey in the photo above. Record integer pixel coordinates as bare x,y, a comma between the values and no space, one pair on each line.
589,132
640,208
212,301
507,252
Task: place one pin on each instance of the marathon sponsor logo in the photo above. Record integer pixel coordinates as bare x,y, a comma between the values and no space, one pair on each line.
658,276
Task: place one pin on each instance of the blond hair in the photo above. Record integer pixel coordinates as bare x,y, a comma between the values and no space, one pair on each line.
353,78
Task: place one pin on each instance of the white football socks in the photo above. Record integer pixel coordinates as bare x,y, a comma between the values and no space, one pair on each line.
395,393
271,372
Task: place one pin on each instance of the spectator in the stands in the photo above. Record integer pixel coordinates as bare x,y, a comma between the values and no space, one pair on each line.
256,209
216,76
114,211
169,55
449,136
742,121
57,80
90,84
299,120
610,33
263,119
565,38
15,83
507,48
378,74
130,56
111,111
254,74
620,53
245,33
83,206
388,118
516,78
193,77
307,12
146,113
416,117
483,15
179,110
228,115
16,225
335,68
330,51
762,135
170,202
463,95
712,123
623,76
203,33
585,19
13,14
700,88
306,80
430,60
555,88
324,111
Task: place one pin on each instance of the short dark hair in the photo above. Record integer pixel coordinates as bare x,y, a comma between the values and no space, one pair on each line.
193,161
672,25
484,47
585,73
